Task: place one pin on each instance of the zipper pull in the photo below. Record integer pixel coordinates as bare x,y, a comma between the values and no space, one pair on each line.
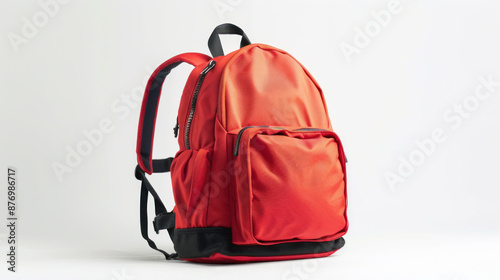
209,67
176,128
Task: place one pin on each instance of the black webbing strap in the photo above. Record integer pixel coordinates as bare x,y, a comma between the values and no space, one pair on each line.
162,165
145,135
214,43
163,219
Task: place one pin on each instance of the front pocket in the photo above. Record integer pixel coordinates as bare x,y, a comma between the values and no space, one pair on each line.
289,186
190,172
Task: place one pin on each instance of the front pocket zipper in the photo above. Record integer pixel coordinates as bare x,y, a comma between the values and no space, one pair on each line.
203,73
238,138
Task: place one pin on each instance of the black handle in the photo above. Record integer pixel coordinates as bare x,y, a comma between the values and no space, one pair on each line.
214,43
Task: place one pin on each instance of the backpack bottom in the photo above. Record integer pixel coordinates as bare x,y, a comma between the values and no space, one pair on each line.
213,245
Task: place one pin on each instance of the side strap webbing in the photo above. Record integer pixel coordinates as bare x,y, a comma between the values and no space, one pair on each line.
163,219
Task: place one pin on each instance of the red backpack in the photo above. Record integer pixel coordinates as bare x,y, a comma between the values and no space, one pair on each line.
260,174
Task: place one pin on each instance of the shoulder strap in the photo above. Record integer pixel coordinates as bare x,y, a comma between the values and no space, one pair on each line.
145,135
149,107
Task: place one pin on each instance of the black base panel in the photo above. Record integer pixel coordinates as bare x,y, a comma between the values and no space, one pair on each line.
203,242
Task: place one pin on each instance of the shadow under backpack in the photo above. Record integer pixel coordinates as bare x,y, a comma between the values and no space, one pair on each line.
260,175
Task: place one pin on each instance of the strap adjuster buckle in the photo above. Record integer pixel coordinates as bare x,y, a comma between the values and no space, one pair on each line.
155,226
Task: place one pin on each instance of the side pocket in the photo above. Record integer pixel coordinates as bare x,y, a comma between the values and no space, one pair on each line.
190,182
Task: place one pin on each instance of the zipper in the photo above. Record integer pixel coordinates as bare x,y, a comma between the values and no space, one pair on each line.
238,138
203,73
310,129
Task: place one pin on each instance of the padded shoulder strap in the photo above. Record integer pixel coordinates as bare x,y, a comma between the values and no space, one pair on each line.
149,107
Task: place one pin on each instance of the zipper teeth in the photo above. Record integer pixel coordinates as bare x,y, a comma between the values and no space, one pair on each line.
238,138
310,129
210,65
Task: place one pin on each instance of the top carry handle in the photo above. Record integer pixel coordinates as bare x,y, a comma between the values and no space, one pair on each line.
214,43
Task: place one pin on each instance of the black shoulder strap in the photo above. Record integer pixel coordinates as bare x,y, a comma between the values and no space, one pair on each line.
147,120
145,135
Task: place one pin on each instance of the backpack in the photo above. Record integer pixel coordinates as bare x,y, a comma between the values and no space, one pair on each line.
259,175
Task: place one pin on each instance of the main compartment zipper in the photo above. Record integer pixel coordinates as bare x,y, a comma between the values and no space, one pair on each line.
203,73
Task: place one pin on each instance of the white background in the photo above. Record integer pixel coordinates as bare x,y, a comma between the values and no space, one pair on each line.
441,222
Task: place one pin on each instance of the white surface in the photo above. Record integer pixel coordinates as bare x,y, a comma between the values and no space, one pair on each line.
388,256
80,68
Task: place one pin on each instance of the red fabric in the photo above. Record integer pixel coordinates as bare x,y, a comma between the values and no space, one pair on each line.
263,85
219,258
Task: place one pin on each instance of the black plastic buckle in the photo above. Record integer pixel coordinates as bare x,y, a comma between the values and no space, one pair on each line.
155,226
156,223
